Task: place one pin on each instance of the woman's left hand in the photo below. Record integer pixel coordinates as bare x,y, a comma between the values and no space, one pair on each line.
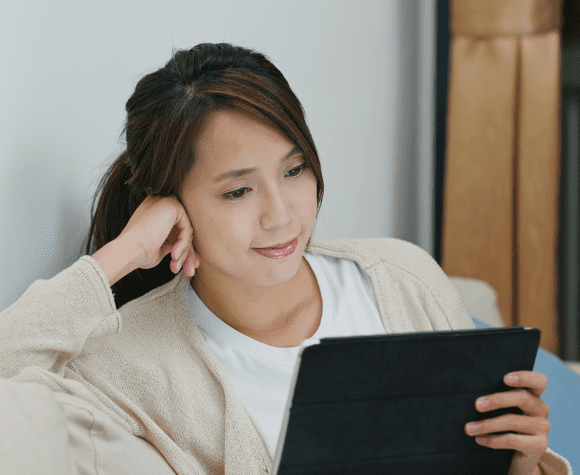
527,433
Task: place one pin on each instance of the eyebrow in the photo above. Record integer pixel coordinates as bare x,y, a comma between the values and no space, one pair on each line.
246,171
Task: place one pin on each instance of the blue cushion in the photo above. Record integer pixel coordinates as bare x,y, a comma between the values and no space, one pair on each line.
563,397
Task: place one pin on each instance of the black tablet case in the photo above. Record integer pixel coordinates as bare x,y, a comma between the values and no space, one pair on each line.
398,404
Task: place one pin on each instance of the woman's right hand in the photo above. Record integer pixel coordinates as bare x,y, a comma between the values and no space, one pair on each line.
159,225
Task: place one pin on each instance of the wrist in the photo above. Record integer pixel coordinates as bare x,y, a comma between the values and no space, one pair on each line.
117,259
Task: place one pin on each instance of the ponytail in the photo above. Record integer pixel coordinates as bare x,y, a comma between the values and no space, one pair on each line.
117,201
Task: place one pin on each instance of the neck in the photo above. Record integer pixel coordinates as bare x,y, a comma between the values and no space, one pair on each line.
283,315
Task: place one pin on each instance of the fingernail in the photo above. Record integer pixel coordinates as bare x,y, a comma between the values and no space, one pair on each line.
482,440
482,403
472,427
511,378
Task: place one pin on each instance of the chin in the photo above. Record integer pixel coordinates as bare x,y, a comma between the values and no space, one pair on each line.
272,272
283,274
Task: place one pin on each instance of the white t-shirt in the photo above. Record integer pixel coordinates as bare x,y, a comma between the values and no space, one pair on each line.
261,374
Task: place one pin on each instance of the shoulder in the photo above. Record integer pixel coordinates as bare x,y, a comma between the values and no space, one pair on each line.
404,276
369,252
391,259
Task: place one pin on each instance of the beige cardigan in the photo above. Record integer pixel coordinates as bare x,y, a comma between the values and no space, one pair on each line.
89,378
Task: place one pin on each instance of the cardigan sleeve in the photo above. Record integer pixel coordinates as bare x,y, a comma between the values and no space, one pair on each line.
553,464
50,323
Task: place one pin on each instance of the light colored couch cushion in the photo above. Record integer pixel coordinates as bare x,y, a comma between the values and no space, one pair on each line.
46,433
480,298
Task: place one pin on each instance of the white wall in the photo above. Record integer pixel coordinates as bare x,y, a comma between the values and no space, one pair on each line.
69,66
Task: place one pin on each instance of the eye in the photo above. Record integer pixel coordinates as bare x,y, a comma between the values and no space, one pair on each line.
297,171
236,194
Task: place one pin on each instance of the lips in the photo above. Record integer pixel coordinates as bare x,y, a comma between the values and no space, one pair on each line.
278,252
278,246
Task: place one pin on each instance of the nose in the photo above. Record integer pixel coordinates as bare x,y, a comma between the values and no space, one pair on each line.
275,209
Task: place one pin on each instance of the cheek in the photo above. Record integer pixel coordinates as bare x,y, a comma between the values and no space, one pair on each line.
221,232
307,199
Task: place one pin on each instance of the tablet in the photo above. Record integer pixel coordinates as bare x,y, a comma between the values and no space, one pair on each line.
398,403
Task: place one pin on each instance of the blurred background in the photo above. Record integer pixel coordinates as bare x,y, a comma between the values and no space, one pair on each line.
452,124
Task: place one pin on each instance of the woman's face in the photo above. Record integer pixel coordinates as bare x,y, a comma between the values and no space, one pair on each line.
249,189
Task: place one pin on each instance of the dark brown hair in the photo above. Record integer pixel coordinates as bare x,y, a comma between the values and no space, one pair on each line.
164,116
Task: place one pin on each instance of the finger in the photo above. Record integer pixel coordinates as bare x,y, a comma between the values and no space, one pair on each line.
183,241
165,249
185,232
188,261
192,261
532,380
172,238
189,266
509,423
526,444
176,264
529,403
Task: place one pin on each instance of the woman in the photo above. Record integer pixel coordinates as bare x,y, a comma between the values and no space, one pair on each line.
221,185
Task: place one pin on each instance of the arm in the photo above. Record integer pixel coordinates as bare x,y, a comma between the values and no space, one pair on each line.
49,325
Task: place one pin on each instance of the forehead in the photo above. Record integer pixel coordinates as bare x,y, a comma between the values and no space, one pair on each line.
231,140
